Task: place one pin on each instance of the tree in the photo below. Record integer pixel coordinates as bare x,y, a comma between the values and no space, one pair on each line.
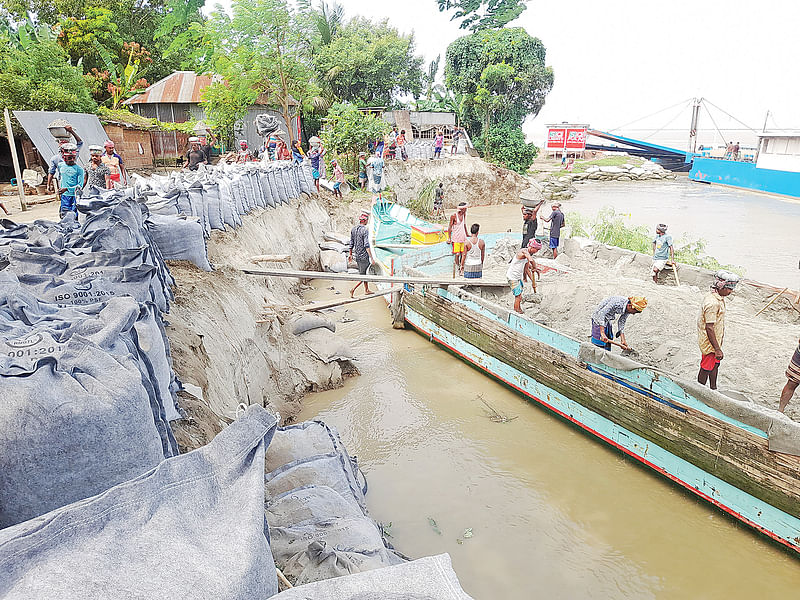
506,146
370,64
40,77
80,37
348,131
328,20
496,14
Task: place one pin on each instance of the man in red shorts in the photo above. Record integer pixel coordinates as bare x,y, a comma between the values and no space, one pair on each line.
793,376
711,326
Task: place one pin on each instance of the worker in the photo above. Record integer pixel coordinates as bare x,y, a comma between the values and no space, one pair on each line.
521,269
662,251
298,155
556,219
457,234
97,172
119,177
711,326
529,223
243,155
195,156
475,254
359,245
603,316
438,201
70,179
362,170
793,379
338,177
57,158
207,145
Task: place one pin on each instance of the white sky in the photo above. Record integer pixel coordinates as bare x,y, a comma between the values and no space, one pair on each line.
616,62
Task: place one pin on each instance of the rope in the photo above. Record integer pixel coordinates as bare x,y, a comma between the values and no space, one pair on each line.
652,114
710,116
729,114
680,112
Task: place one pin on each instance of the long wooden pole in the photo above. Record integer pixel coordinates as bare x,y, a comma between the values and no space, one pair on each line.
373,278
15,158
767,305
335,303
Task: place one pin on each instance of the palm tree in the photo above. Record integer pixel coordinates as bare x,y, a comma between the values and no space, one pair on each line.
328,19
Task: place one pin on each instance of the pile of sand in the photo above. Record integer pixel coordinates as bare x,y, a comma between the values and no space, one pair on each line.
757,349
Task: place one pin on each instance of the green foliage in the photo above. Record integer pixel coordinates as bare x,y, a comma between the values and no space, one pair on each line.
153,24
501,76
496,13
81,37
348,131
328,20
41,78
609,227
24,33
262,51
506,146
370,64
123,115
422,205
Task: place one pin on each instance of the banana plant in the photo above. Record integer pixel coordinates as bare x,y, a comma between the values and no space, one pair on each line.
120,84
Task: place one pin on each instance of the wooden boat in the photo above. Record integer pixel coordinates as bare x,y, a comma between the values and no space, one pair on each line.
645,413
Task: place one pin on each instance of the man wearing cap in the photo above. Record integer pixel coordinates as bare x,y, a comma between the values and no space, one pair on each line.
457,232
97,172
529,224
793,379
711,326
57,158
359,245
522,268
606,312
244,152
195,156
115,164
662,250
556,219
70,177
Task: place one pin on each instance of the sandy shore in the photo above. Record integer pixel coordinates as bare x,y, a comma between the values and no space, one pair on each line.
757,349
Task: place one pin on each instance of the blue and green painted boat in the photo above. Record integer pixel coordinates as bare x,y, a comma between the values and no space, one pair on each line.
642,412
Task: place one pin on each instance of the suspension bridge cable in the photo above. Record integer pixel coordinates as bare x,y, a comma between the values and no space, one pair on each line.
729,114
652,114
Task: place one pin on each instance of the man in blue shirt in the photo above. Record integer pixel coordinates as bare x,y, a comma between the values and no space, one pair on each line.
556,219
70,179
662,250
56,158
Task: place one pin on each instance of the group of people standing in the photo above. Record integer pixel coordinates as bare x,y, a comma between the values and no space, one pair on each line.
66,177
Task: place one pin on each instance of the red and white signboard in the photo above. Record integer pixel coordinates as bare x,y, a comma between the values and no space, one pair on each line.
576,140
556,138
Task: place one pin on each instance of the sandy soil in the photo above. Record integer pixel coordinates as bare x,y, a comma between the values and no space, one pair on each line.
757,349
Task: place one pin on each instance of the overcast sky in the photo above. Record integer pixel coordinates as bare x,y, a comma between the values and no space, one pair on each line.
616,62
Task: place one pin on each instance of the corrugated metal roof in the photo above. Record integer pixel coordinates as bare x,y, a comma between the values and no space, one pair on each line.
185,87
35,123
181,87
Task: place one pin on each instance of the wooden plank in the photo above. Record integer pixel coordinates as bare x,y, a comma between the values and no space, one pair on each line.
15,159
374,278
271,258
733,454
335,303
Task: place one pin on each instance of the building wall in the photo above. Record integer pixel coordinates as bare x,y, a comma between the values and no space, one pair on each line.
133,145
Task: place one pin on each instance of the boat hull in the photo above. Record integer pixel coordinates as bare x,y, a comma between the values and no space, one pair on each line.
715,459
745,175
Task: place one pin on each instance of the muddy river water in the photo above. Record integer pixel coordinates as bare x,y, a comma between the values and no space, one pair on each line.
530,507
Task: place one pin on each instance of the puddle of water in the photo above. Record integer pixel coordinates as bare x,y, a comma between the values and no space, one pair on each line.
554,514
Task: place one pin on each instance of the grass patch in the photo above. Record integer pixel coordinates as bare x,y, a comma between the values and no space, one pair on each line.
609,227
422,205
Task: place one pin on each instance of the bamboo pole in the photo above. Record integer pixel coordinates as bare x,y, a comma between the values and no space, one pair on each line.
374,278
335,303
767,305
282,578
20,184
